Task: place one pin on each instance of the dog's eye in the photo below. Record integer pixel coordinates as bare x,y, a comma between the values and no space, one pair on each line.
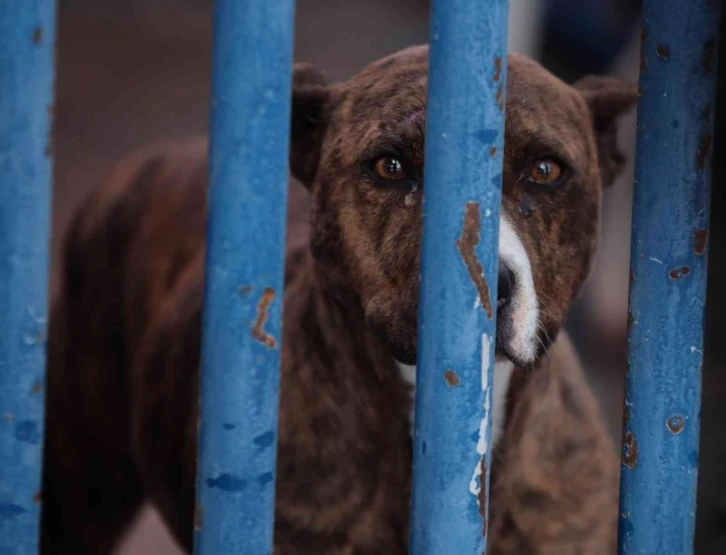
546,171
389,168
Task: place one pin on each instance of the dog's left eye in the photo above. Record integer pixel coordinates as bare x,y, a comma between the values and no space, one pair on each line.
389,168
546,171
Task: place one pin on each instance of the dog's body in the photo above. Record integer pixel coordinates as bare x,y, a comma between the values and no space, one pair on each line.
124,342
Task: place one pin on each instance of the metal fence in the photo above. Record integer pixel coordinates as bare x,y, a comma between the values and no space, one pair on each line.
248,152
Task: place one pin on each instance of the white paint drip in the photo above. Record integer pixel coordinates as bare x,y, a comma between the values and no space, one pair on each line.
482,445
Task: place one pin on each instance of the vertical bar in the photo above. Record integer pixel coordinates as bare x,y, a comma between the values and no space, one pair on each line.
252,76
668,276
27,37
457,308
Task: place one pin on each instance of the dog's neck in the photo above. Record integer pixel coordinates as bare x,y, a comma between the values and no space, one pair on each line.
502,374
345,345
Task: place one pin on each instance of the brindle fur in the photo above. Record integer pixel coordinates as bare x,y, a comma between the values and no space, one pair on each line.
124,340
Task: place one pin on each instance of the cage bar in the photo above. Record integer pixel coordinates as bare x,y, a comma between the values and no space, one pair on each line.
668,276
27,39
251,96
457,307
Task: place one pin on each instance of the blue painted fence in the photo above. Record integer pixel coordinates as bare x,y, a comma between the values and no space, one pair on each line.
455,366
242,317
251,91
27,36
668,276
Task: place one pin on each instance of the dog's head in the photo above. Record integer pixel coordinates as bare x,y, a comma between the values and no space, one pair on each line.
358,146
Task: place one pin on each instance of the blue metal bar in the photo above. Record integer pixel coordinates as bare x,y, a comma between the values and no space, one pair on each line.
252,76
457,306
27,38
668,276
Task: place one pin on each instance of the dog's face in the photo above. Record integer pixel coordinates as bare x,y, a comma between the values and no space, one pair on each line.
359,147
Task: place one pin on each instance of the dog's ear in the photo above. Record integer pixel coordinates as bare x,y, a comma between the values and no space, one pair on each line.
608,98
310,98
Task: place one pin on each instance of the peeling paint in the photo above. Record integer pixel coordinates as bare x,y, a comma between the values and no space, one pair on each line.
700,240
497,69
663,52
452,380
675,424
677,273
704,149
630,451
10,510
475,484
470,237
500,98
258,333
227,482
265,440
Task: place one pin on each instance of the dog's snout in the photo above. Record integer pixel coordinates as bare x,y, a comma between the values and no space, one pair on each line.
505,287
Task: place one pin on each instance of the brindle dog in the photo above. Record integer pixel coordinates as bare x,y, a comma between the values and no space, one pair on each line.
124,340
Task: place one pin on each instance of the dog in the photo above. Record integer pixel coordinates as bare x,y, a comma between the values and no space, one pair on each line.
124,342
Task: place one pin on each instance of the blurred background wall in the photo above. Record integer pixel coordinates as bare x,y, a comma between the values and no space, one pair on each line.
134,72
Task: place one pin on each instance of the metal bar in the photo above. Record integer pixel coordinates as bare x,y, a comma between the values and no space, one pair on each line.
668,276
27,38
457,306
252,76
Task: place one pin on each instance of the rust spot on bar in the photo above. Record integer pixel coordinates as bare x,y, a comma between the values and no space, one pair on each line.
452,380
37,498
493,151
258,333
709,49
37,388
37,35
497,69
678,273
663,52
470,237
632,277
626,415
630,451
500,98
197,517
700,240
8,416
244,290
675,424
483,501
703,151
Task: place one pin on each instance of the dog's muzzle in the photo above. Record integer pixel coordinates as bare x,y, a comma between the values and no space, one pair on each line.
517,305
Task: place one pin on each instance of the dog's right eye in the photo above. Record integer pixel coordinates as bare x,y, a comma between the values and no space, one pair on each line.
389,168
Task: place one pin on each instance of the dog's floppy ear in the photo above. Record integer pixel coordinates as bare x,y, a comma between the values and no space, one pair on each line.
310,97
608,98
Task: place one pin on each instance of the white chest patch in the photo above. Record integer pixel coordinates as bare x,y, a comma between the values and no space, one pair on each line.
502,373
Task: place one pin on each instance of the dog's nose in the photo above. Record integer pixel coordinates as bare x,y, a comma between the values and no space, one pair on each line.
505,287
